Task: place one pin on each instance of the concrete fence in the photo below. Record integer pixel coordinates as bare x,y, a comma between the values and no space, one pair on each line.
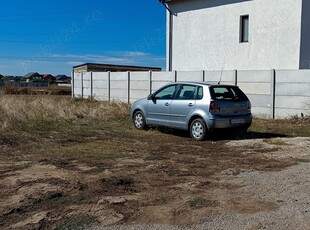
273,93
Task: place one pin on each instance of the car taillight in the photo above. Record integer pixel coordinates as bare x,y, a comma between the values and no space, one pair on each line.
214,107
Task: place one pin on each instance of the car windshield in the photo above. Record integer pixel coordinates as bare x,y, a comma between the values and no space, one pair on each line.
229,93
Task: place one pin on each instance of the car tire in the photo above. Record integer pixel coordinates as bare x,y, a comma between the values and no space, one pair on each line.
139,120
243,130
198,129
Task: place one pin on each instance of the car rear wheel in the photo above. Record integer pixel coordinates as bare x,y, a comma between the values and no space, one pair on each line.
139,120
198,129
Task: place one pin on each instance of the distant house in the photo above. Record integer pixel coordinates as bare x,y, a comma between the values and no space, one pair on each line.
49,78
63,79
95,67
33,77
8,78
19,78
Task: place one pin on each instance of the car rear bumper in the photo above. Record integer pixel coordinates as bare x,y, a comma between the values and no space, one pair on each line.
225,122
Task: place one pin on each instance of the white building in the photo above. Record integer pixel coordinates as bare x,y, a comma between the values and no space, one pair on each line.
238,34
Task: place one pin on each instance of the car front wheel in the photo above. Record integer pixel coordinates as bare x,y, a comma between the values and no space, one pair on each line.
198,129
139,120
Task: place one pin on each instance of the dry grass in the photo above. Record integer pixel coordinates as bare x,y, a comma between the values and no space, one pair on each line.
289,127
48,113
20,112
51,90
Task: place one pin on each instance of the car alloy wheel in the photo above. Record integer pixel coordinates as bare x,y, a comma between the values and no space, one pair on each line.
139,120
198,129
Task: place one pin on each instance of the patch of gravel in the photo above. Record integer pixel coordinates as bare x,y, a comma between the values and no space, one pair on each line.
289,189
297,147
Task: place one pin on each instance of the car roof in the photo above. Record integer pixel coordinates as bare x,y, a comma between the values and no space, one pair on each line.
200,83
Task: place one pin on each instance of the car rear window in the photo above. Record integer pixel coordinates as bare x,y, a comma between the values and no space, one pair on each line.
229,93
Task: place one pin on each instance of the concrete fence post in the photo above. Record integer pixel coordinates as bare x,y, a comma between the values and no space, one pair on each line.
72,84
128,87
235,77
203,75
109,85
82,87
273,94
91,86
150,81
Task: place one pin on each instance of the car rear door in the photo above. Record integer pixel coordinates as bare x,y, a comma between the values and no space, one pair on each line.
183,105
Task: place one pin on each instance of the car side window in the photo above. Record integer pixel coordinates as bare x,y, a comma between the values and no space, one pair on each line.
186,92
166,93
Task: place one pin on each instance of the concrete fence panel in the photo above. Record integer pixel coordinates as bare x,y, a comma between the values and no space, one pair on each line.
293,89
159,79
255,82
286,106
87,85
77,86
224,77
119,86
297,76
258,86
190,76
101,85
140,83
292,92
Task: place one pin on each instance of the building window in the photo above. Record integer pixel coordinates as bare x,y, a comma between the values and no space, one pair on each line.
244,28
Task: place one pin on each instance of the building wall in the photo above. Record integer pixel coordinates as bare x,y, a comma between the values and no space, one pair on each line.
305,36
206,34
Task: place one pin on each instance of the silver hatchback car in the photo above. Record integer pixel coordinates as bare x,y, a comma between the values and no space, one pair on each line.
193,106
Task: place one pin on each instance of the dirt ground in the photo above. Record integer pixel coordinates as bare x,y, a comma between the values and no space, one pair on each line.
168,181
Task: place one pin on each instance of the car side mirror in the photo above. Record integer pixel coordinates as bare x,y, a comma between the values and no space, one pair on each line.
150,97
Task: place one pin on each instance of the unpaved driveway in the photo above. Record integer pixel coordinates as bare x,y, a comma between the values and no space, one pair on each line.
174,183
251,199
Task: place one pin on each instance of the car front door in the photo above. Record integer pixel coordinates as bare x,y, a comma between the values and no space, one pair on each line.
158,112
182,106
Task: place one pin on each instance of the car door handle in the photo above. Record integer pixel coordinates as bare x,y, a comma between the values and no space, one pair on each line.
167,104
190,104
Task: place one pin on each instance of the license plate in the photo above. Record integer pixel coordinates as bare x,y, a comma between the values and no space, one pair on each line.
237,121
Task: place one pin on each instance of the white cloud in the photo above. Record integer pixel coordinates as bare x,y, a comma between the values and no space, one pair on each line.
118,57
63,63
73,63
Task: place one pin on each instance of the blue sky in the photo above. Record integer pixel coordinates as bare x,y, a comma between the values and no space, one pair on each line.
52,36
